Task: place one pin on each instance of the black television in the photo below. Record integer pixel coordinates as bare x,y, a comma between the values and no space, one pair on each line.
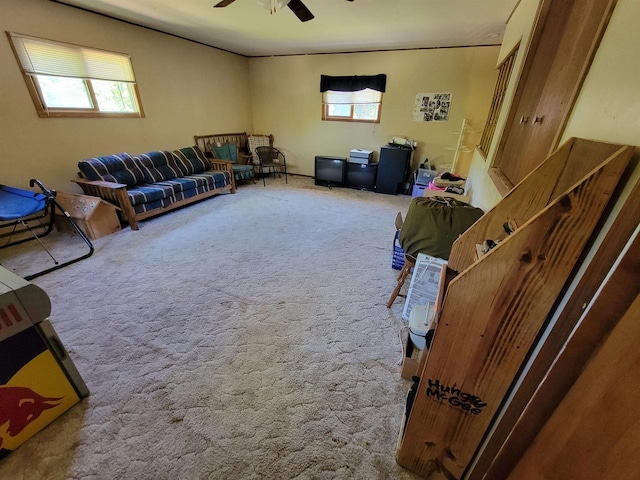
362,175
330,171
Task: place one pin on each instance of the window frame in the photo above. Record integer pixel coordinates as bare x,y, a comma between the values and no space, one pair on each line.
505,70
38,97
332,118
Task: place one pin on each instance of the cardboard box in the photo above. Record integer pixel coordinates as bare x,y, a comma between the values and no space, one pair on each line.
95,217
410,361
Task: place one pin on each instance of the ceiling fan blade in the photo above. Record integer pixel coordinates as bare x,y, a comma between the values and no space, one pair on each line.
223,3
301,11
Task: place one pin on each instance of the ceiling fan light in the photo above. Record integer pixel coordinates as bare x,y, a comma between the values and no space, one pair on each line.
273,5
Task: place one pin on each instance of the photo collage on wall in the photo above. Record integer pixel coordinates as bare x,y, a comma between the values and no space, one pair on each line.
432,107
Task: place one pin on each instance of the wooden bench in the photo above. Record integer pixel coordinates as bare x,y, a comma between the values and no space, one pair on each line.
245,166
205,142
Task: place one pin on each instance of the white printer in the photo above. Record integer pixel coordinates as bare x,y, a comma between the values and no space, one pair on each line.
360,156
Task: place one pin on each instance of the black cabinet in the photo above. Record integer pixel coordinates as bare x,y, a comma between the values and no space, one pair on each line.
393,169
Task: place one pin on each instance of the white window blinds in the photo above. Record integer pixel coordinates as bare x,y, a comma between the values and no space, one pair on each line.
45,57
361,96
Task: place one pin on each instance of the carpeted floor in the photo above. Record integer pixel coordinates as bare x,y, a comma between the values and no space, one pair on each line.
242,337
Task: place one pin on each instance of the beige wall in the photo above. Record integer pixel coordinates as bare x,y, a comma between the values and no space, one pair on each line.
608,107
186,89
286,101
518,33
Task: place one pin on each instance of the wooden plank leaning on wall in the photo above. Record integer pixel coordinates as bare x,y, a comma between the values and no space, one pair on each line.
594,275
590,397
496,306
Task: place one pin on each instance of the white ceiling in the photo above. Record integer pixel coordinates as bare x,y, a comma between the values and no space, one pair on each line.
246,28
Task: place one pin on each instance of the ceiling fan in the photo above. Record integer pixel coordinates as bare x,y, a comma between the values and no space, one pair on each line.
296,6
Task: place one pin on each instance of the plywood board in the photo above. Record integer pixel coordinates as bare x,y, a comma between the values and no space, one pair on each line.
575,159
497,459
595,431
490,318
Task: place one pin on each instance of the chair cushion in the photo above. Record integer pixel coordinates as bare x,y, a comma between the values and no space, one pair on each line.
181,184
185,187
191,160
118,168
153,205
212,179
158,166
228,151
149,193
242,172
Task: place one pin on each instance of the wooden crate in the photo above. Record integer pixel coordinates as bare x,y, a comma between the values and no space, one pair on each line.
410,360
95,217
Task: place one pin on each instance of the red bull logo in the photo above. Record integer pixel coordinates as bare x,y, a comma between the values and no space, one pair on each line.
20,406
10,316
11,321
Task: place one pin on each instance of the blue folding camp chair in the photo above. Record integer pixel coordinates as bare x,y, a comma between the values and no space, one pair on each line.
25,211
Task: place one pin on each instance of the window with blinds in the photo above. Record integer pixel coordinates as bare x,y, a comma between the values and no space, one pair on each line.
360,106
504,74
67,80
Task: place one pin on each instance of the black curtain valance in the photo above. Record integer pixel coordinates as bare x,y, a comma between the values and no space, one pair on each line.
353,83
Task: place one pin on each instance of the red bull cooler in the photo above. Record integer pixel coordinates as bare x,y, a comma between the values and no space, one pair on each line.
38,380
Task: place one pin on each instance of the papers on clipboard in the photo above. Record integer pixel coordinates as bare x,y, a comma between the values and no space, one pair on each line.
425,283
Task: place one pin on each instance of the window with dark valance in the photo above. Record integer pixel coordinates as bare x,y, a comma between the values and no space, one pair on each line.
353,83
352,98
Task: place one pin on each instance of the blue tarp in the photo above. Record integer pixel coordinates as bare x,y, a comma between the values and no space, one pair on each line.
16,203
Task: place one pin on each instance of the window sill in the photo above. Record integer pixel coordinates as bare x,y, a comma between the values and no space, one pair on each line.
71,114
350,120
500,181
